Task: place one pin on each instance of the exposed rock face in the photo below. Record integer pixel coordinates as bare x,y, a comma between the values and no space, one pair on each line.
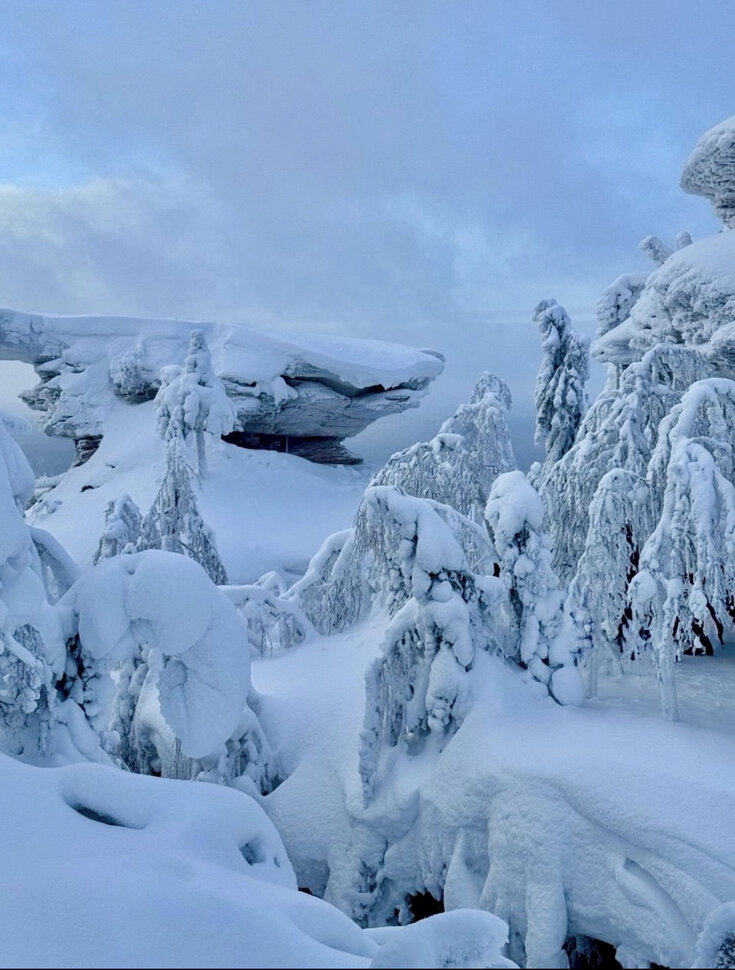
298,393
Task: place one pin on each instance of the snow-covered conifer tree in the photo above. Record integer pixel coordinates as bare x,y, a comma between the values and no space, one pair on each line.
459,465
617,300
515,516
195,398
620,430
122,529
419,685
684,597
173,523
454,470
598,599
559,393
31,646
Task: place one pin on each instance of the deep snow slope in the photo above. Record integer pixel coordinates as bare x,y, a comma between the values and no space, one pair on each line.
604,820
269,510
102,868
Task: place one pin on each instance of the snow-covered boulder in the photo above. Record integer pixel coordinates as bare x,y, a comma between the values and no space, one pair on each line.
291,392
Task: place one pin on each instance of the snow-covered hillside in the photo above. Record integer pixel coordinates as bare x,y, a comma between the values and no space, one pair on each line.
487,715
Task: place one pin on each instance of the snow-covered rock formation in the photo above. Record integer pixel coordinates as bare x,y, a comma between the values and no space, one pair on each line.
302,394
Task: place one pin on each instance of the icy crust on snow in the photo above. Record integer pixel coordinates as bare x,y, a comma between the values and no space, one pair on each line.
134,872
279,383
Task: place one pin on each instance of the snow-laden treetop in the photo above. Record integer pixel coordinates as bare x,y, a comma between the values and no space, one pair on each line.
280,383
710,169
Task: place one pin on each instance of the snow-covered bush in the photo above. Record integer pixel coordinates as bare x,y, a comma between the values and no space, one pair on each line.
515,516
130,378
173,523
274,622
559,394
716,943
122,530
161,668
193,398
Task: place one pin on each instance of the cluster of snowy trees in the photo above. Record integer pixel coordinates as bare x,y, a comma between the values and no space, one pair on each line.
617,550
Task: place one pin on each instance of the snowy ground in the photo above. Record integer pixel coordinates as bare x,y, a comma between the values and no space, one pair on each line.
269,510
103,868
598,803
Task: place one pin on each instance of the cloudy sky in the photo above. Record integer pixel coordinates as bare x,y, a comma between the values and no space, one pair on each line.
421,170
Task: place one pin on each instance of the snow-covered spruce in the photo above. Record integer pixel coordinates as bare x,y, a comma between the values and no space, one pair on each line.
31,645
683,597
559,393
598,602
173,523
159,662
515,516
419,685
459,465
617,300
455,469
620,430
193,399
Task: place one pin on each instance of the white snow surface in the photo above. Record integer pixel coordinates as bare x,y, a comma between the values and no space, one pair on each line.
106,868
269,510
529,804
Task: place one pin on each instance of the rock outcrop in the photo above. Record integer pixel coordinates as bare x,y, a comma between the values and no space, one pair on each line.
299,393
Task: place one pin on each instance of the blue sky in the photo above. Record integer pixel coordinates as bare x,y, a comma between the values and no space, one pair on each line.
416,170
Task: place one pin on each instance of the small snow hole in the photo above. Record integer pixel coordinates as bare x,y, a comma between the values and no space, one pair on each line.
99,816
252,852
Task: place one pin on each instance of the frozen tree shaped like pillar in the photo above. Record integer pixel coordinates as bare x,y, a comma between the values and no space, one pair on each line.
418,688
122,529
559,394
195,398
